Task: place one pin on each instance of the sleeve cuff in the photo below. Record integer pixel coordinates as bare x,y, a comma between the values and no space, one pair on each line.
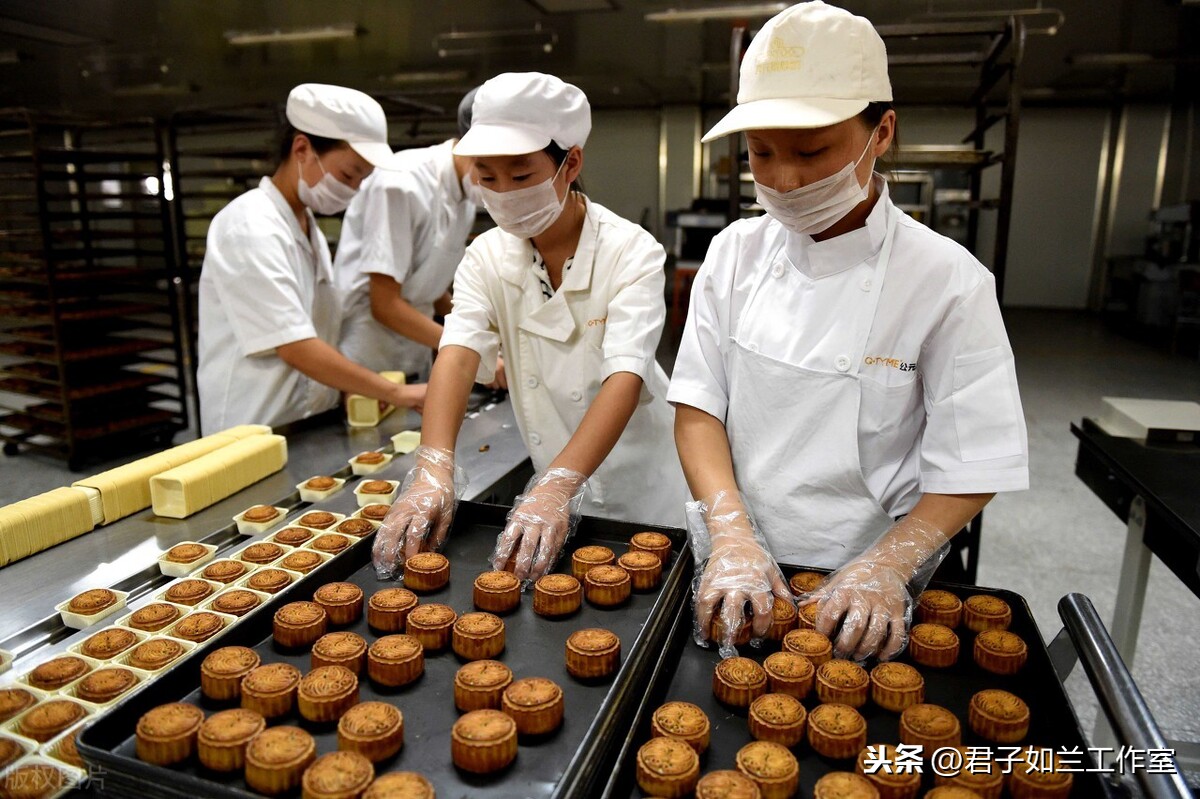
975,482
627,363
482,343
382,268
266,344
713,404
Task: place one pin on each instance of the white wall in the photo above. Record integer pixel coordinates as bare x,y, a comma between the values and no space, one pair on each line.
1139,175
1050,249
620,167
681,126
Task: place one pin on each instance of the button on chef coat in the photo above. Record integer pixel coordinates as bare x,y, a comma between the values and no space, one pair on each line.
939,411
264,284
410,224
605,318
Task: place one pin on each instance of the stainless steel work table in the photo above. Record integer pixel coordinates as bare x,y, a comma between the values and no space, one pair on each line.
124,554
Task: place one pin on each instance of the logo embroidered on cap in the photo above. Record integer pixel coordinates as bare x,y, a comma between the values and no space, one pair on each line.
780,57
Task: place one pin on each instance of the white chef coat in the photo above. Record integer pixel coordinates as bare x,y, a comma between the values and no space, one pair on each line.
264,284
606,317
410,224
939,409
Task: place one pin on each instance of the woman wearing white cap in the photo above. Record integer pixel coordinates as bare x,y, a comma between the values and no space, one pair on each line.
403,237
269,311
842,366
574,295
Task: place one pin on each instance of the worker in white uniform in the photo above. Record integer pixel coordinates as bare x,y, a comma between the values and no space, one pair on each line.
403,236
574,296
270,313
845,392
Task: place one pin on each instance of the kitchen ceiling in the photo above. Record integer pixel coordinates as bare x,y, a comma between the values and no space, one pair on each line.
125,57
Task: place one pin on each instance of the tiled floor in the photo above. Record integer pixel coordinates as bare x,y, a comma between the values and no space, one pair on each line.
1053,539
1059,538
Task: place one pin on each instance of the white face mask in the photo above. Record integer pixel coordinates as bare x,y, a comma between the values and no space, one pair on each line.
525,213
329,196
816,207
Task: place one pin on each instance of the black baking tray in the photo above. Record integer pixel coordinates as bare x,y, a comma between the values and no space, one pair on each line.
573,761
685,673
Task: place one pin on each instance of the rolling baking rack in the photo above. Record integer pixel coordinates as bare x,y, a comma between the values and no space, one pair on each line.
214,155
89,341
570,762
217,154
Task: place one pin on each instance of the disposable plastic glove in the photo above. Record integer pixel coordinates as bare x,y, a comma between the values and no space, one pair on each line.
420,518
540,522
872,595
733,567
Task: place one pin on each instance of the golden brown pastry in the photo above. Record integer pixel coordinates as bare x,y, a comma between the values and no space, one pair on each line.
373,729
223,737
771,766
480,685
895,686
667,767
739,681
49,718
779,718
836,731
483,741
535,704
683,721
222,671
556,595
167,734
270,689
593,652
276,759
395,660
338,775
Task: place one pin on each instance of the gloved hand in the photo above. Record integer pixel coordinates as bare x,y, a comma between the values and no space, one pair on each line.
540,522
420,518
872,595
733,566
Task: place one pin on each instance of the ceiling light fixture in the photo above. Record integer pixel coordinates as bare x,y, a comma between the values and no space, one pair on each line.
746,11
1051,28
425,76
572,6
325,33
155,89
44,33
470,43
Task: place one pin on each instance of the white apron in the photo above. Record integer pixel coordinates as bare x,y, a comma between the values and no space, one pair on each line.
793,434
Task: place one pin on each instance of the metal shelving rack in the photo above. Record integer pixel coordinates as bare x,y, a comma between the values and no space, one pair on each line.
89,340
214,156
994,49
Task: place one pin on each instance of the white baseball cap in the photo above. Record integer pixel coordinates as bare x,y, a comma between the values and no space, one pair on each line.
349,115
522,112
810,66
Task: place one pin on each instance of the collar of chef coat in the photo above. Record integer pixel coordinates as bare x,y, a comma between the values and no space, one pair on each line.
448,175
552,318
818,259
312,242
